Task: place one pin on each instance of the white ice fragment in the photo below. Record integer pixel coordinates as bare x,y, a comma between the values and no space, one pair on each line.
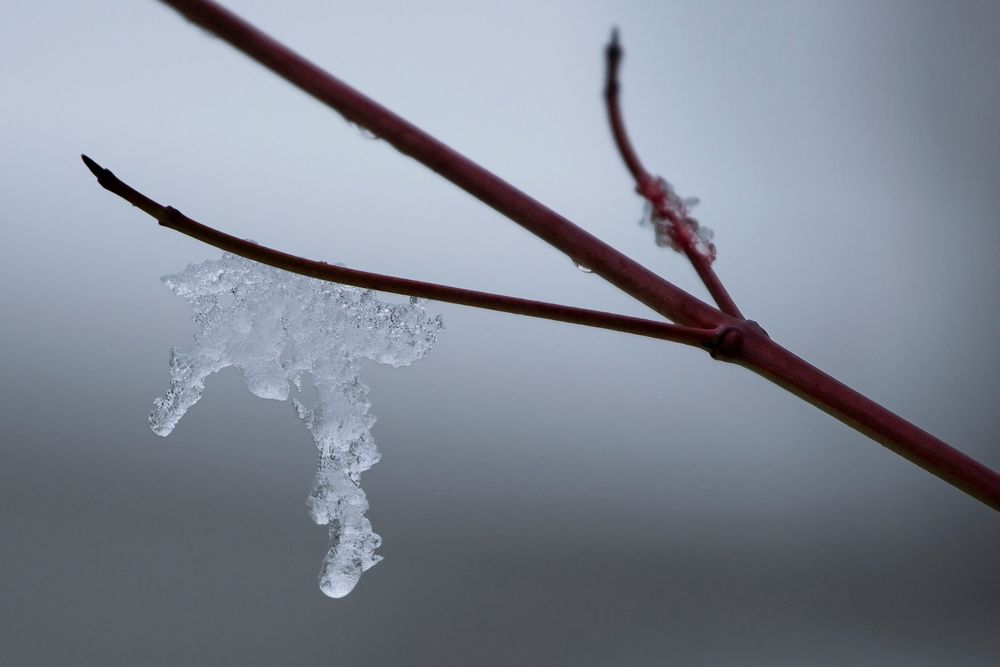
673,219
705,235
277,328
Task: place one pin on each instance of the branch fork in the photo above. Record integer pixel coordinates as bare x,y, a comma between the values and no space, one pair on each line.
722,331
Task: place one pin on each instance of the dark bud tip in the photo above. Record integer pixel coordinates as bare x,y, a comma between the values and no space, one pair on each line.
96,169
614,46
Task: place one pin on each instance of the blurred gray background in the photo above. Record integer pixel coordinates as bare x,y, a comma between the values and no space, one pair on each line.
547,494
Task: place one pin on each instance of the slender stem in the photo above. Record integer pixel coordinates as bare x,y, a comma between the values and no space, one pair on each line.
170,217
650,188
613,58
583,248
743,343
733,339
765,357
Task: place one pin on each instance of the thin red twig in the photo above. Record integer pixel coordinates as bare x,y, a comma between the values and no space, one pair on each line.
583,248
170,217
650,187
736,340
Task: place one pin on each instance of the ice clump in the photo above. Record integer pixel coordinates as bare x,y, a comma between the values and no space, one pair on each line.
276,328
667,219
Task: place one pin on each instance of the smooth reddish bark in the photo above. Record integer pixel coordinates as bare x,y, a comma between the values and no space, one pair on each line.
734,339
170,217
650,189
579,245
762,355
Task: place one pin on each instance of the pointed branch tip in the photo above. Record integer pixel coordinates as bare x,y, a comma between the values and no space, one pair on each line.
96,169
614,46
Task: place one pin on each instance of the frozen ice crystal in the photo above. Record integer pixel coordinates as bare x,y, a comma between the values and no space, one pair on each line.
671,218
278,328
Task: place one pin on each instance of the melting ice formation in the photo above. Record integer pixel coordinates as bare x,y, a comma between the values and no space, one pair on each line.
681,207
276,328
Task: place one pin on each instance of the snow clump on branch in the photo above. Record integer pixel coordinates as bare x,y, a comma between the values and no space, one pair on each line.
669,215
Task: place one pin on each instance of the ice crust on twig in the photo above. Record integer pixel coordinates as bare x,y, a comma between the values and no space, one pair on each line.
665,210
279,328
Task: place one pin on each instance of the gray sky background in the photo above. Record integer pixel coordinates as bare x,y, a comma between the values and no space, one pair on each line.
547,494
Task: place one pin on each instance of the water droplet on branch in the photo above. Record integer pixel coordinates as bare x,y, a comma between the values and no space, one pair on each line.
364,131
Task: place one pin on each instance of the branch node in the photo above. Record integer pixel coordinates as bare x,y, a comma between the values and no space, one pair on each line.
171,216
103,175
726,344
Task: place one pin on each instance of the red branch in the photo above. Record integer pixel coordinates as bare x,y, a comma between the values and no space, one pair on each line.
734,339
583,248
170,217
652,189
